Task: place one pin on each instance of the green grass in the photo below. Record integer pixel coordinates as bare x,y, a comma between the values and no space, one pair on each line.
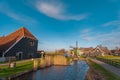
112,60
110,57
6,71
107,74
3,62
82,58
68,59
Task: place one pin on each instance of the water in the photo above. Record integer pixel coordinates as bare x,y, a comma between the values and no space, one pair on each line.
76,71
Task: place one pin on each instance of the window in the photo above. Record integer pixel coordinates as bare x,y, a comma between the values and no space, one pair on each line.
31,43
30,55
1,54
19,55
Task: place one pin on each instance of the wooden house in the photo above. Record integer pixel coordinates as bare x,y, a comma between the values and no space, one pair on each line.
116,52
20,44
100,51
86,51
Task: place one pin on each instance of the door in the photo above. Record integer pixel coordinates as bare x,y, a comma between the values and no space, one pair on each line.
19,55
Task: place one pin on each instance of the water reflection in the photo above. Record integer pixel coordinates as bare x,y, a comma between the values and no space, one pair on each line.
76,71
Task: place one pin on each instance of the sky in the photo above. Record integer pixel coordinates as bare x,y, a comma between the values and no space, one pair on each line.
59,24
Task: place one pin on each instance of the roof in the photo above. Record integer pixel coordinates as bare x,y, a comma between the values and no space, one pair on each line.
116,51
7,41
102,49
86,50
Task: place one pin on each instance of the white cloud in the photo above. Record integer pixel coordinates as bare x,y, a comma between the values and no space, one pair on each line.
57,11
111,39
50,10
52,46
5,9
112,23
87,38
85,34
86,30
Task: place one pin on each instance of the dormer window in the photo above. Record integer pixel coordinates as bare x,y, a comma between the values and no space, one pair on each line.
31,43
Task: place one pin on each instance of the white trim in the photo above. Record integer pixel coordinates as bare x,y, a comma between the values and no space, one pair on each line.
12,46
100,49
18,55
3,54
97,48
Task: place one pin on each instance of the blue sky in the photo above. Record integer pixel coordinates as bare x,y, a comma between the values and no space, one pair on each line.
59,23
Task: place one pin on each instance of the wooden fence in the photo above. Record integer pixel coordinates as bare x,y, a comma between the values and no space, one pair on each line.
113,62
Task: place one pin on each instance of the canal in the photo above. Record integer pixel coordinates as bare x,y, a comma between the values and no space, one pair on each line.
76,71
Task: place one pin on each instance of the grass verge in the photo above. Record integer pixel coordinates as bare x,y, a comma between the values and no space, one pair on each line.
105,73
6,71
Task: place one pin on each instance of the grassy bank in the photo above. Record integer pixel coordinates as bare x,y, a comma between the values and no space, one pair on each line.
112,60
6,71
101,72
28,65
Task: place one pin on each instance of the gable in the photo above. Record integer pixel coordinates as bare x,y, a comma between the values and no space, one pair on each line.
97,50
7,41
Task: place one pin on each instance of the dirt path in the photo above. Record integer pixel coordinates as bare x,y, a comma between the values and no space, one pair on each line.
108,67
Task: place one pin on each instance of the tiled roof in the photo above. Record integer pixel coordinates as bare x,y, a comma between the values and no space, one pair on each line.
7,41
86,50
103,49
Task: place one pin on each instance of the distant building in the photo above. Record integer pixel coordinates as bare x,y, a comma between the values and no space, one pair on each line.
116,52
41,53
86,51
20,44
60,51
100,51
75,52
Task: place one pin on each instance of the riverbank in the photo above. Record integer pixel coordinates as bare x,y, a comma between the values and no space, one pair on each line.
97,72
76,71
6,71
26,66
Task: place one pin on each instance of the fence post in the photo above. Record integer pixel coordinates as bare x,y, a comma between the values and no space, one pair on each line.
12,62
35,65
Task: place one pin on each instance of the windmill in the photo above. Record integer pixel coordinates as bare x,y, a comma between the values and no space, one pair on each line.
75,50
76,45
